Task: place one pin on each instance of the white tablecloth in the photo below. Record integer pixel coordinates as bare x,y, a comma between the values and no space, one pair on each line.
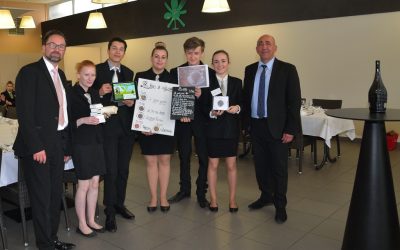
8,132
317,123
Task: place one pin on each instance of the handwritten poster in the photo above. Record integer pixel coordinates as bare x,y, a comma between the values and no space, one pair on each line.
183,100
153,108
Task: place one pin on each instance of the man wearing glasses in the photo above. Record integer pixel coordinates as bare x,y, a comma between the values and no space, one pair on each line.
42,139
118,136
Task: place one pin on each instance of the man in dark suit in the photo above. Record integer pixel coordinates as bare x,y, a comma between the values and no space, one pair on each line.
42,140
186,129
118,136
9,95
271,113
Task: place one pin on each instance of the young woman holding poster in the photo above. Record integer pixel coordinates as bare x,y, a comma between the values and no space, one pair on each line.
87,149
157,149
223,130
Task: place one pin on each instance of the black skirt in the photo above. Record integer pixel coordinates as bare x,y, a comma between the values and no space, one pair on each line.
88,160
156,144
220,148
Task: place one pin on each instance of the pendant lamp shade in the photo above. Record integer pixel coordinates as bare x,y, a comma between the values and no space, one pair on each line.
96,21
27,22
6,20
109,1
215,6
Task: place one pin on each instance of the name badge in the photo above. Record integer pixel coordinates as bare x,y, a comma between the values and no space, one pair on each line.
216,92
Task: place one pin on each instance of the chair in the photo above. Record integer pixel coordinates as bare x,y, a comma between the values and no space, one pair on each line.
329,104
2,226
11,112
17,194
299,142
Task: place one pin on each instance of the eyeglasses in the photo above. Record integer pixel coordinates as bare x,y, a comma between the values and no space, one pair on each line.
56,46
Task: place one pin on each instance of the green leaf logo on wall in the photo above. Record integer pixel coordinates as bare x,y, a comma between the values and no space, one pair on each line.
174,12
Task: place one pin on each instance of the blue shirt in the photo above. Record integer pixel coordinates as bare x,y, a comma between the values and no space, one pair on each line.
254,99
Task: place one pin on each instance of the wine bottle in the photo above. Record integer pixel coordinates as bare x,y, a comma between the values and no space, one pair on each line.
377,95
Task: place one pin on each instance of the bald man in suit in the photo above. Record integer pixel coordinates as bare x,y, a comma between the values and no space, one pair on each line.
271,114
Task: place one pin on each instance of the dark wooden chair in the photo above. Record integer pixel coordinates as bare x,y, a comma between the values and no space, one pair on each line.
11,112
300,141
3,229
329,104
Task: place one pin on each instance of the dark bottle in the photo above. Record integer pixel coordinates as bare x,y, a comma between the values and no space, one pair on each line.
377,94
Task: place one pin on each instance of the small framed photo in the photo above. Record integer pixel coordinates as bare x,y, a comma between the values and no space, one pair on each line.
193,76
124,91
220,102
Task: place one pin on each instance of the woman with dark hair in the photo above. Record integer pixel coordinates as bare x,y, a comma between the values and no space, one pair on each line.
157,149
223,130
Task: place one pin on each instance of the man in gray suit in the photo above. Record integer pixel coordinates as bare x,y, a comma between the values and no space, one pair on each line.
271,114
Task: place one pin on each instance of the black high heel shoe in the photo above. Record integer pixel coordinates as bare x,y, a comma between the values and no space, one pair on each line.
165,208
233,209
151,209
213,209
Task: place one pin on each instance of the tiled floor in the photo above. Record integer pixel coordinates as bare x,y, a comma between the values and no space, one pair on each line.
318,203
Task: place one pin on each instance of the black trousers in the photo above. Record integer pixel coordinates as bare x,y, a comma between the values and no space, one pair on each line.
117,151
271,163
44,183
184,133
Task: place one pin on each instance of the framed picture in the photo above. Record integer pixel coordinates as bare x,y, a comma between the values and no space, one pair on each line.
193,76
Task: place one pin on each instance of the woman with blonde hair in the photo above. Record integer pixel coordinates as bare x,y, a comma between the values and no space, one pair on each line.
87,148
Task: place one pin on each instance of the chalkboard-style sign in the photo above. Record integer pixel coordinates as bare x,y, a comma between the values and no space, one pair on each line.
182,104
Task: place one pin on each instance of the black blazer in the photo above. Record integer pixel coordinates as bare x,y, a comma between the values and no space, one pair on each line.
80,107
123,119
8,97
226,125
37,109
199,111
283,101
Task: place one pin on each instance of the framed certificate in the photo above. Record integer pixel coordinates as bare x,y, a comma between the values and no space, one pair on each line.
123,91
220,102
193,76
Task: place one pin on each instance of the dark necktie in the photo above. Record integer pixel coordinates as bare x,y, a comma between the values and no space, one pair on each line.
261,94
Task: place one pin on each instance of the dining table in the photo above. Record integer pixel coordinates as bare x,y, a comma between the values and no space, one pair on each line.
9,162
316,123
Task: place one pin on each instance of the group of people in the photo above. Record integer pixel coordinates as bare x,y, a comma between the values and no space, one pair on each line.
55,124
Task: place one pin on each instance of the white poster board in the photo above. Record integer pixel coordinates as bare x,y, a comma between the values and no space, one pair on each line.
153,108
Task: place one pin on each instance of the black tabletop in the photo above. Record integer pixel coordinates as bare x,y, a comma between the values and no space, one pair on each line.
364,114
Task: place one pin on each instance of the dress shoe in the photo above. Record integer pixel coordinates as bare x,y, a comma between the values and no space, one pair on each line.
165,208
151,209
203,202
124,212
260,203
233,209
111,224
178,197
98,230
63,245
89,235
213,209
280,216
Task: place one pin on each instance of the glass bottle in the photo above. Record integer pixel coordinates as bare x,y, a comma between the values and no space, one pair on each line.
377,95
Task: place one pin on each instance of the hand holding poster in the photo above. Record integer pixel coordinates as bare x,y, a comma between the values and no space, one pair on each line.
153,108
